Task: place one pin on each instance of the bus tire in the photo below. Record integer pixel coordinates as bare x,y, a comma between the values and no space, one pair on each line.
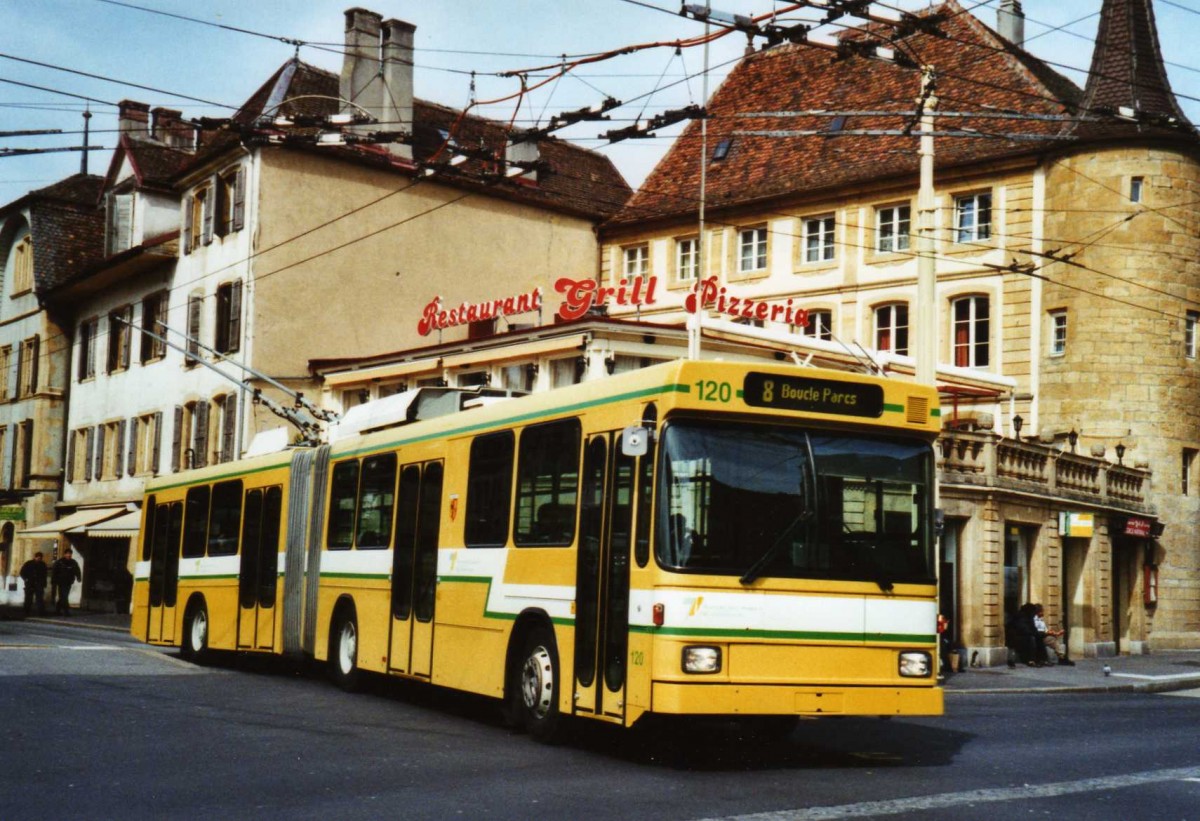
194,646
537,681
343,652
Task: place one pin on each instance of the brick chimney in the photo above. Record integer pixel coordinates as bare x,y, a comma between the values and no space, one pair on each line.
397,88
167,126
1010,22
133,118
361,77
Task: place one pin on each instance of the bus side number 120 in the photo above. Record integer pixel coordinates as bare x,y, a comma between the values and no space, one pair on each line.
708,390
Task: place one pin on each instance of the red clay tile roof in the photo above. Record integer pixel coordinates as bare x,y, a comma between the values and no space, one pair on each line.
575,179
977,70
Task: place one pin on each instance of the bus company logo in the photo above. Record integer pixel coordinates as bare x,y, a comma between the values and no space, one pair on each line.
694,605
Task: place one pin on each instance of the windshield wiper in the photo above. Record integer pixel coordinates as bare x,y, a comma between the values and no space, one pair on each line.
759,566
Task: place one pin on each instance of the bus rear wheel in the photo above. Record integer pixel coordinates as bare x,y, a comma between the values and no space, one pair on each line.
343,653
195,634
536,683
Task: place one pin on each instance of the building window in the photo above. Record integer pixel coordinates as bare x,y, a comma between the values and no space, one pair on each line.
971,332
231,201
119,236
145,444
518,377
120,336
228,332
972,217
1188,466
87,349
891,228
195,308
752,249
819,325
189,445
1136,184
110,458
79,455
891,328
687,259
818,239
198,220
637,261
27,367
1189,334
565,372
154,321
1058,333
226,407
22,266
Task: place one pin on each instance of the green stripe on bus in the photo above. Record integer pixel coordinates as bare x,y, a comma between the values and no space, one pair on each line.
206,577
375,576
807,635
223,476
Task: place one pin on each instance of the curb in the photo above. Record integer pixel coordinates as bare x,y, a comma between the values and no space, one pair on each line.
81,622
1133,687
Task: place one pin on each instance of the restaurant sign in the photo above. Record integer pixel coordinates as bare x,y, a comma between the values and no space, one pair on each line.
12,513
1137,526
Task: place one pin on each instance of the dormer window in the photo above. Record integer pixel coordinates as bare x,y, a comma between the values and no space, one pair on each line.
119,235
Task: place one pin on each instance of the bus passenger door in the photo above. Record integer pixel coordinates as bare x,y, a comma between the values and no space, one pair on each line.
602,578
414,569
164,572
258,573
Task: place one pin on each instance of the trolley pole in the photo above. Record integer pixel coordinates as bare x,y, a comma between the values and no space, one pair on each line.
926,325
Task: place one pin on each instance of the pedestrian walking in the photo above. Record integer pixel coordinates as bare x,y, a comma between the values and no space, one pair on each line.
33,573
63,574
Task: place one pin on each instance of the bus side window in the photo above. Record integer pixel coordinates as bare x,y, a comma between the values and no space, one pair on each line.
489,490
225,519
547,484
343,499
195,522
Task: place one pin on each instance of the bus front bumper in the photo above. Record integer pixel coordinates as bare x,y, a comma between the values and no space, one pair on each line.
767,699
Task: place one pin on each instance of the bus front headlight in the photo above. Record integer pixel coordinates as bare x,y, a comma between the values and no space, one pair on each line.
702,659
915,664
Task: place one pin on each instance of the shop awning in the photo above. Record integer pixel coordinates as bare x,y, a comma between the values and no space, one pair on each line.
80,518
124,526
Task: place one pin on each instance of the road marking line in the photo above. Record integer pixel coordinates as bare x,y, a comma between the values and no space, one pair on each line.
871,809
1167,677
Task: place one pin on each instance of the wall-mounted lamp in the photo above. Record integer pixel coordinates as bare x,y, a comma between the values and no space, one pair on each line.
1017,423
1120,452
1073,438
610,363
364,396
581,366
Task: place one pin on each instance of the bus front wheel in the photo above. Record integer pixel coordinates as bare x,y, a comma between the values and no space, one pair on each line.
536,680
195,634
343,653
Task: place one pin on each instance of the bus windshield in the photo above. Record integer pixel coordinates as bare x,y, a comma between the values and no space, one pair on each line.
757,500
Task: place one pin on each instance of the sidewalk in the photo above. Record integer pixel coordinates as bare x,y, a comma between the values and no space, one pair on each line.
1159,672
116,622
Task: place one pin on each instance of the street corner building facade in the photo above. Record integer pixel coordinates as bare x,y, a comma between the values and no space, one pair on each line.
1062,224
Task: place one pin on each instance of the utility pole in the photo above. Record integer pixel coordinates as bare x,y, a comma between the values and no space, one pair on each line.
83,157
926,324
695,322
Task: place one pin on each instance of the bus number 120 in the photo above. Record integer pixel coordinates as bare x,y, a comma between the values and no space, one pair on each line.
709,391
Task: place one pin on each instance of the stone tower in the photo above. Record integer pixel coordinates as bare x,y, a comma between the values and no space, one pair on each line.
1121,208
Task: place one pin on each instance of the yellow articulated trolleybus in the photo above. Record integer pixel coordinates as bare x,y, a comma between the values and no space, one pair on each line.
693,538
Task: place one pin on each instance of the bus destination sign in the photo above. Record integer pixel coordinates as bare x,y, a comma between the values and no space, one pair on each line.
799,393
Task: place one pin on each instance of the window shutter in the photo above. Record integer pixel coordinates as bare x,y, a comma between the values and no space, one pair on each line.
20,380
188,205
119,451
228,427
131,459
89,449
207,209
98,467
35,355
160,325
201,445
126,335
27,453
235,316
11,473
71,456
92,327
123,227
239,199
177,439
157,454
195,304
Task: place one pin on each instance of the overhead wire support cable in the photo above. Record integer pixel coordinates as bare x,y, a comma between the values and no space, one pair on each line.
642,130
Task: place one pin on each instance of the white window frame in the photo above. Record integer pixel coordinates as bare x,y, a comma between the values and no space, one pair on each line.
752,249
821,229
887,320
1058,332
635,260
897,220
687,259
1190,339
969,226
1137,189
965,317
819,325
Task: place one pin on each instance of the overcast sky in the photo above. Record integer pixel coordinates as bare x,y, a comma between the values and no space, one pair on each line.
125,40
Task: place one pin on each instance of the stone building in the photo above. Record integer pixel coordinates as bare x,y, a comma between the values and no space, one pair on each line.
1063,225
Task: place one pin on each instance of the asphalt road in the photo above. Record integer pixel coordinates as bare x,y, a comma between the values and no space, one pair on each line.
97,727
